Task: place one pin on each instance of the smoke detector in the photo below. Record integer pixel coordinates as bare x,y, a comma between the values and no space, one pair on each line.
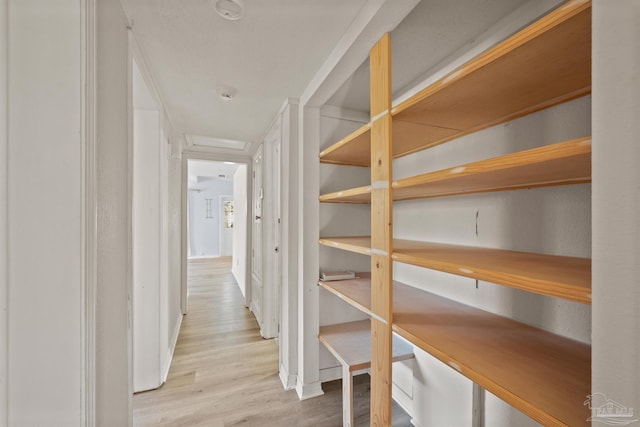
231,10
226,93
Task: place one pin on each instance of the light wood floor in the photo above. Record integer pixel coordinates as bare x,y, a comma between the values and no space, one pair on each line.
224,374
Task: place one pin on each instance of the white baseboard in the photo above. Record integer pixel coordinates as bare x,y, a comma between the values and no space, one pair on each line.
308,391
288,380
172,348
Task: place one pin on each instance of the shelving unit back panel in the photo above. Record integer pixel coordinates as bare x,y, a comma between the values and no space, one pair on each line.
544,375
545,64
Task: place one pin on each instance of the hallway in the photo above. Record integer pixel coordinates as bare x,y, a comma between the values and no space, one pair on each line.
224,374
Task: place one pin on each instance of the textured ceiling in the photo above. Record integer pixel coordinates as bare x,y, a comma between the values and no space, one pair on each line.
267,57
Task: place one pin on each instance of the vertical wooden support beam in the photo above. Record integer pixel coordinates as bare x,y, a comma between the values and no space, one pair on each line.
381,233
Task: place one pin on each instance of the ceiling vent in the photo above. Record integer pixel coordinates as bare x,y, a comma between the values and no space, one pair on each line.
231,10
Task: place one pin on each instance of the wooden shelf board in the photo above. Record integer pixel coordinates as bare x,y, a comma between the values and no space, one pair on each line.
559,276
543,375
354,149
563,163
551,59
359,195
350,343
358,244
356,292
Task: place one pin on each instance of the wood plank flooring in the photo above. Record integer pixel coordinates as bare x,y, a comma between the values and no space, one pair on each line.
224,374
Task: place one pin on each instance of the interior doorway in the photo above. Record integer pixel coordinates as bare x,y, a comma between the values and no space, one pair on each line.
215,216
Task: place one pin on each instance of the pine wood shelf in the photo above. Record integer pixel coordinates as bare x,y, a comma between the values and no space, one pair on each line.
353,150
356,292
359,195
559,276
563,163
358,244
547,63
544,375
551,59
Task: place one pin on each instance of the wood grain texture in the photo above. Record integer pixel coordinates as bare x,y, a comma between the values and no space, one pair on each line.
543,375
559,276
563,163
354,149
356,292
359,195
358,244
545,64
225,374
381,232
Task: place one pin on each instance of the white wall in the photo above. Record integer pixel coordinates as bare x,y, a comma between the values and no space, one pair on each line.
239,267
4,102
204,233
174,262
616,201
45,214
113,338
146,250
289,245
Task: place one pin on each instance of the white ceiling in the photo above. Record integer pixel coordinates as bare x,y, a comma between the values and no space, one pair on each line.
267,57
274,52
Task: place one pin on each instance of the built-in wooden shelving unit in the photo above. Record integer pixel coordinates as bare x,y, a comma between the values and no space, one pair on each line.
563,163
545,64
544,375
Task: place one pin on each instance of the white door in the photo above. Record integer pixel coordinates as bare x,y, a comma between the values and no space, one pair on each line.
226,225
256,251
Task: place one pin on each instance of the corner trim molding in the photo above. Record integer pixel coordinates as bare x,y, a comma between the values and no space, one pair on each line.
309,391
172,349
89,212
288,380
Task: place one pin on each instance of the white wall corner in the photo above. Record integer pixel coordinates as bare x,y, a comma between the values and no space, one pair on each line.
308,391
4,285
616,203
287,379
172,349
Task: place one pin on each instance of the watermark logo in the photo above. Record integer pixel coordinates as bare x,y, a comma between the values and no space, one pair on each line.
609,411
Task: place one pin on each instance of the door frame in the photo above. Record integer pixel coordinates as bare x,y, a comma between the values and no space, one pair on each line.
272,231
192,153
221,228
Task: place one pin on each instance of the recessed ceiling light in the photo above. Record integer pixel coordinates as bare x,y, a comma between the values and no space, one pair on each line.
231,9
228,163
